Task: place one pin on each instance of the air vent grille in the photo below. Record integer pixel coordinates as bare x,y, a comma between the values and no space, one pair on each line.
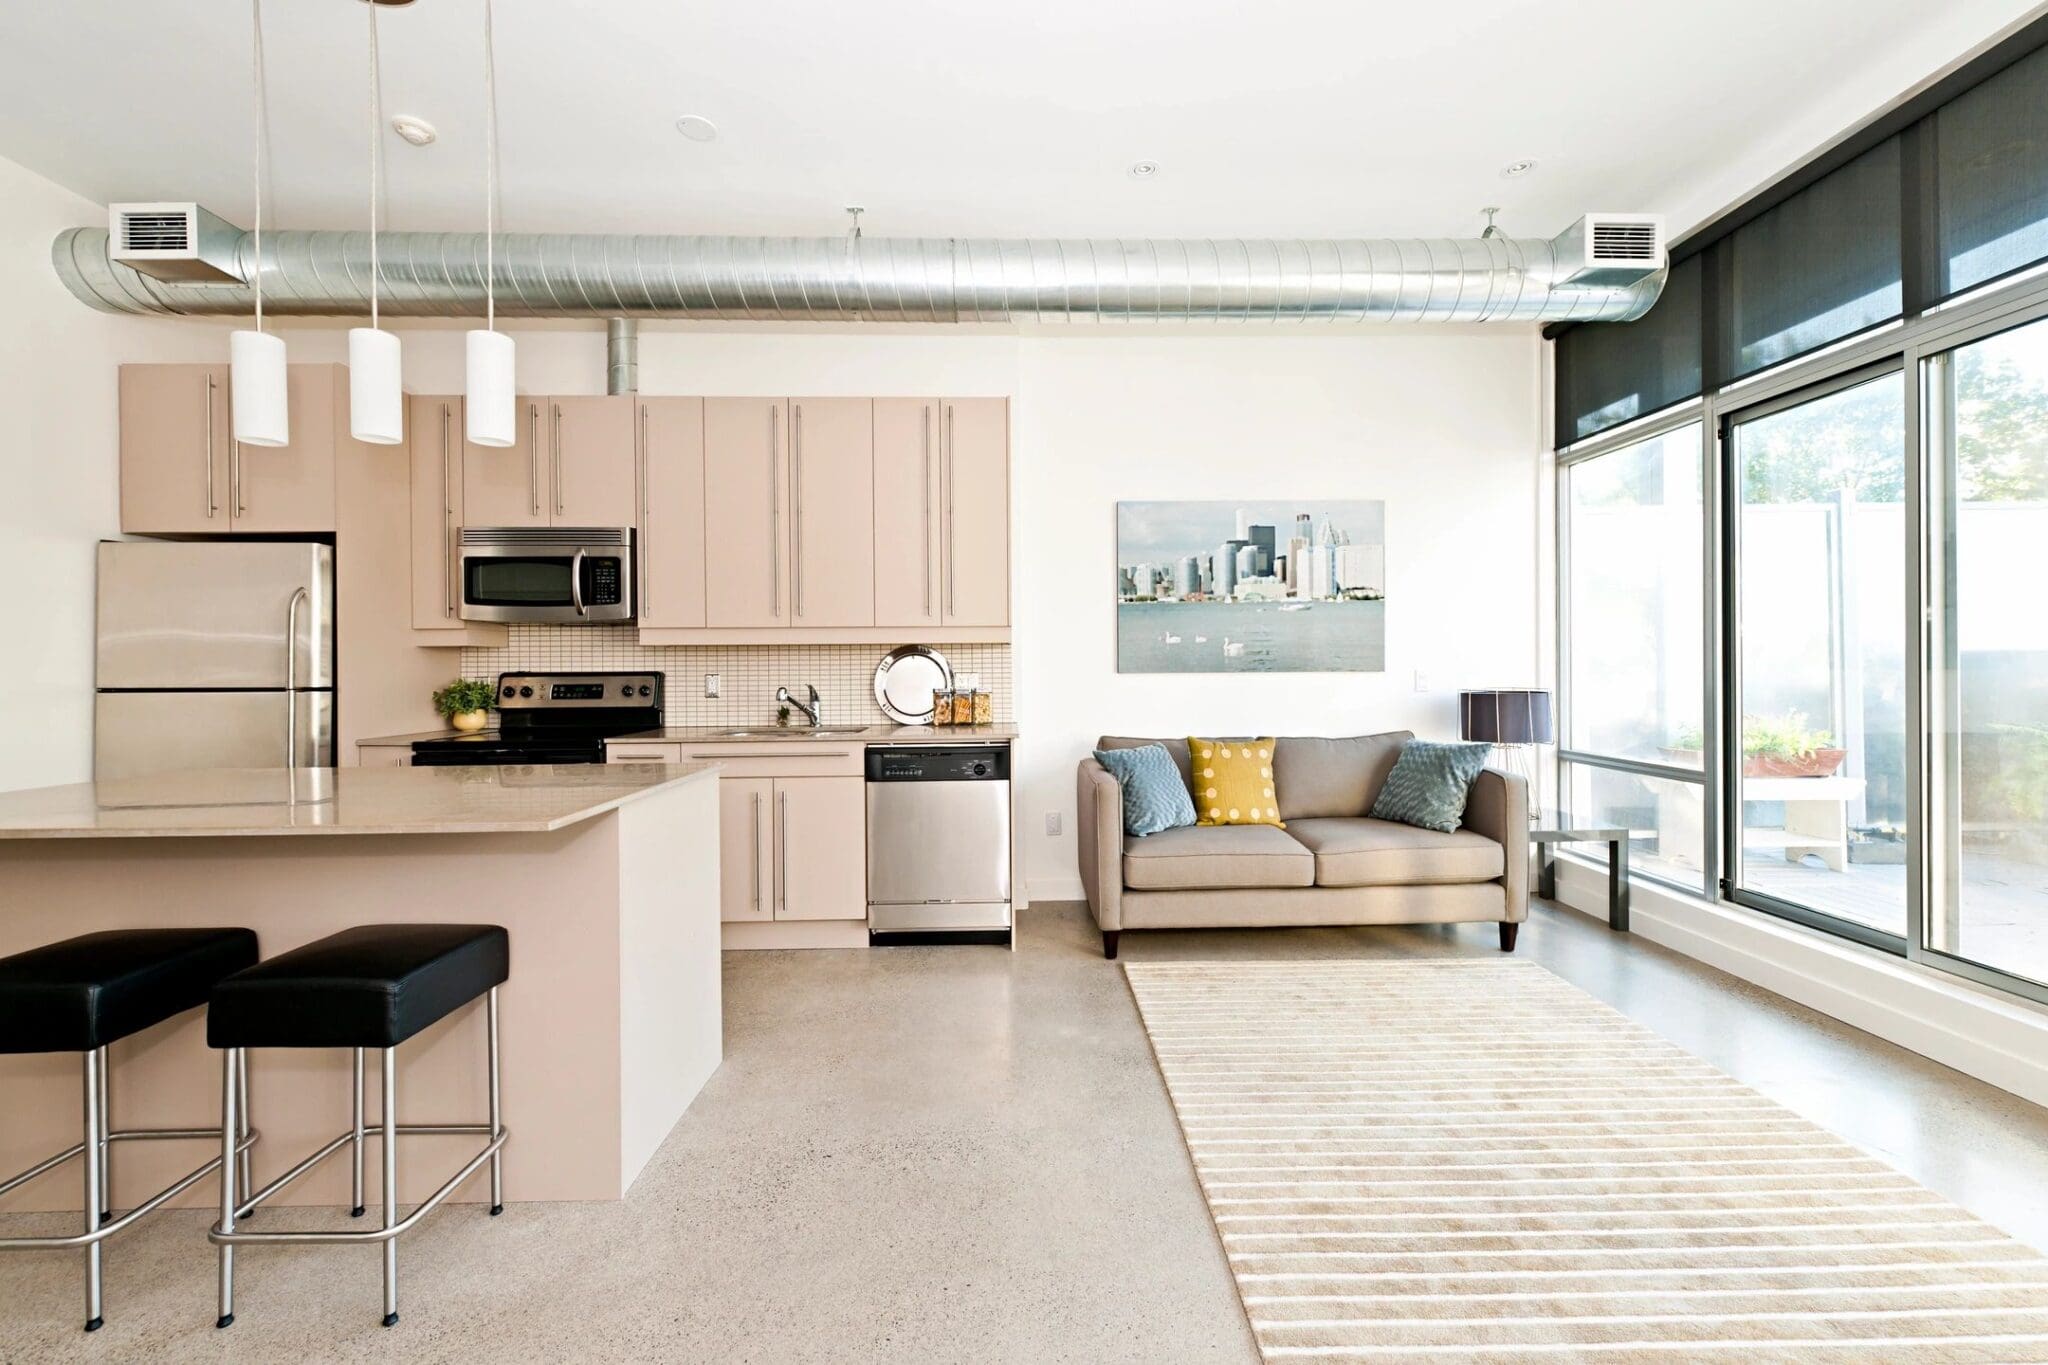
1624,241
156,231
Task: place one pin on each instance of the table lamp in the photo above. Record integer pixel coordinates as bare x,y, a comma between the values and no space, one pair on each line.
1513,720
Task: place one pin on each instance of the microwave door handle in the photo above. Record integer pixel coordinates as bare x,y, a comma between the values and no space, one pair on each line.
576,582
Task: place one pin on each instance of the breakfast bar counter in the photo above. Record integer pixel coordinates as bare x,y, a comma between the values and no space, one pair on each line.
606,879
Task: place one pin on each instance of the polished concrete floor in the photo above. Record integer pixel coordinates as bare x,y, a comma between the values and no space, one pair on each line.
949,1154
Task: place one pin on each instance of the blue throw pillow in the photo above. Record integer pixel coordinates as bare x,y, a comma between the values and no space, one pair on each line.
1155,795
1428,785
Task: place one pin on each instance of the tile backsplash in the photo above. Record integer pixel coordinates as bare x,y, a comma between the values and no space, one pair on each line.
843,674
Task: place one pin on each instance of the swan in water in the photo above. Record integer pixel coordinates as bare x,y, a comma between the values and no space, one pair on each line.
1201,639
1232,648
1169,639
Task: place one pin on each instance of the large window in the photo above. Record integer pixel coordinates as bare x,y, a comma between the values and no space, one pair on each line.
1991,890
1632,588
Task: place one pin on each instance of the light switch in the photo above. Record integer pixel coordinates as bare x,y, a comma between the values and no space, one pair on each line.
1052,822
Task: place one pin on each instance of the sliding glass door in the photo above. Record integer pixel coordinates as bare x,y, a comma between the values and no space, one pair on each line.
1815,712
1988,456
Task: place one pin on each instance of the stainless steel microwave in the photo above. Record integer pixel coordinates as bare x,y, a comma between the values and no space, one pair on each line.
570,576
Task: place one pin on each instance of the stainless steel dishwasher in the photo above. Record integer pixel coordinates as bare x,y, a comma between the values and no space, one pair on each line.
939,843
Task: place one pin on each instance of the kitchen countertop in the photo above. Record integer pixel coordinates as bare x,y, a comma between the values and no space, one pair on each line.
406,741
263,801
873,734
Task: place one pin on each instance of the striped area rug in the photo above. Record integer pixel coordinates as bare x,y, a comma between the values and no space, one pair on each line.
1478,1161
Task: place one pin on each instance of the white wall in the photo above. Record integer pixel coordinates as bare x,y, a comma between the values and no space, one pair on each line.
58,484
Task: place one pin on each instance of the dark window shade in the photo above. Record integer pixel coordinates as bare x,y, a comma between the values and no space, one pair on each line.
1991,176
1821,266
1614,372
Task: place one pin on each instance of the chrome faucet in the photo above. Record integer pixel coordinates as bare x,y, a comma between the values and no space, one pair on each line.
811,708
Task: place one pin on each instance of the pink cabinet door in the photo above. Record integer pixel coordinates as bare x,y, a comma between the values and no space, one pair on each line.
509,486
975,498
746,835
821,850
906,512
592,442
433,430
831,509
746,534
290,488
174,449
671,517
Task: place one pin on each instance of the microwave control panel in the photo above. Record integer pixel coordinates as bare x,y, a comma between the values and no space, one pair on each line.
603,582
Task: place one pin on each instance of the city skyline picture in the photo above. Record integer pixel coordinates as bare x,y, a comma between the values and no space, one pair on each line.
1251,587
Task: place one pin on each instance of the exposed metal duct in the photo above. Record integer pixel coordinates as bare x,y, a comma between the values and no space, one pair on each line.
621,356
912,279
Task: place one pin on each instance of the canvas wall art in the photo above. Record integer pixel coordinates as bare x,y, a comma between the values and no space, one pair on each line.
1251,587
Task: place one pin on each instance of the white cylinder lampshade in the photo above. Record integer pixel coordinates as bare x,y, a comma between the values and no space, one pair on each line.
491,416
256,388
376,393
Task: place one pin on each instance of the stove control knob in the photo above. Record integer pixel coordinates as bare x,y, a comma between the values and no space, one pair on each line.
625,689
511,691
645,690
526,691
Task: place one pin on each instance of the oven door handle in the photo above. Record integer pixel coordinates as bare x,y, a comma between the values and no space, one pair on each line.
576,582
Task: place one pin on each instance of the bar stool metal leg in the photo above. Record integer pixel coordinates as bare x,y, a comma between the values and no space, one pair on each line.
106,1139
248,1186
497,1125
230,1061
390,1156
95,1155
356,1131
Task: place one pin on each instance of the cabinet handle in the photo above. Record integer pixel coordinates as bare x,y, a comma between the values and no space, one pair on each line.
533,455
447,519
641,557
755,864
206,451
951,526
926,486
796,493
235,477
637,755
782,850
790,750
774,519
556,459
291,677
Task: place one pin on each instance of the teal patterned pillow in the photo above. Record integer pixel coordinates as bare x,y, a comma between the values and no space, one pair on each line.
1155,795
1429,782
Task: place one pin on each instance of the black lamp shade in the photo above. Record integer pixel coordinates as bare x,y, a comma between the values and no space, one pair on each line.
1511,716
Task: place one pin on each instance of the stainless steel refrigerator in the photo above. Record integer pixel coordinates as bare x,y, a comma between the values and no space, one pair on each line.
214,655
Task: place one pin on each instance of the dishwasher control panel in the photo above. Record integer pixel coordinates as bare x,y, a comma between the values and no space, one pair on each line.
940,763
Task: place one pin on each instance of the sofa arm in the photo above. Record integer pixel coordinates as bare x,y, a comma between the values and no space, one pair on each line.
1099,818
1498,807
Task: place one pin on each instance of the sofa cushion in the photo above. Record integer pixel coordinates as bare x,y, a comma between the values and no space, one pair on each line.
1233,781
1430,784
1155,796
1323,777
1176,749
1217,856
1361,851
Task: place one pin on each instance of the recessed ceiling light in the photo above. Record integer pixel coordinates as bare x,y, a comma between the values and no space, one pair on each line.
1144,170
417,131
1515,168
696,128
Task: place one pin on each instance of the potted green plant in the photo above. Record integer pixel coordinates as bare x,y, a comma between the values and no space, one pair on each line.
1772,746
466,703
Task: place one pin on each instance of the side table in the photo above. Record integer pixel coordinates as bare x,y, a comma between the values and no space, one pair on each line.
1617,864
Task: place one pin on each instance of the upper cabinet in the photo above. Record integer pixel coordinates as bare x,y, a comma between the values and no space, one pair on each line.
434,436
942,512
746,538
183,473
573,462
831,512
671,540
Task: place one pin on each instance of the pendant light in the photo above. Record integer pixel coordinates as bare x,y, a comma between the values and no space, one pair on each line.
256,373
490,412
376,395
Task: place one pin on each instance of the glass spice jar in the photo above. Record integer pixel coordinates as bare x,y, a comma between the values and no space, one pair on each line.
984,707
963,706
942,706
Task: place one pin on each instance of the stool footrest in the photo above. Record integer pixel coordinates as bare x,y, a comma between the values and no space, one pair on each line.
475,1163
109,1228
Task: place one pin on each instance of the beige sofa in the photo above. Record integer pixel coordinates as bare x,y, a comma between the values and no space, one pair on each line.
1332,864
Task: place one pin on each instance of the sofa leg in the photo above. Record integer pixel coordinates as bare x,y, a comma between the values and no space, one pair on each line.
1109,937
1507,936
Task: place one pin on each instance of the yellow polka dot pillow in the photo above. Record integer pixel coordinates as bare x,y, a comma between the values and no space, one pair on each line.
1232,780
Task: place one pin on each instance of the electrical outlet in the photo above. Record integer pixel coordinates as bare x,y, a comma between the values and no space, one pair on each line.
1421,681
1052,822
712,683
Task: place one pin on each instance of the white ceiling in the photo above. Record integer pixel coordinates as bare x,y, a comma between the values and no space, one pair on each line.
1288,117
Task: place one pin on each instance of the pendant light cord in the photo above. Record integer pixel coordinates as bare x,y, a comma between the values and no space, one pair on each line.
490,176
262,148
376,159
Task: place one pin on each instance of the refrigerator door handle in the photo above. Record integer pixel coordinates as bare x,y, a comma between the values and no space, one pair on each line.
291,677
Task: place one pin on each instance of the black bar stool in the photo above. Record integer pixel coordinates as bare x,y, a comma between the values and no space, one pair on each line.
87,992
370,987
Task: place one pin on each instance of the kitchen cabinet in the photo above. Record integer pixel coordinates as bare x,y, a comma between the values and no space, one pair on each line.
434,431
974,503
508,485
183,473
831,512
746,838
671,512
592,459
906,462
820,848
746,542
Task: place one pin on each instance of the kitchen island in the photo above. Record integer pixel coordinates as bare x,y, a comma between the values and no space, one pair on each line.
605,877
